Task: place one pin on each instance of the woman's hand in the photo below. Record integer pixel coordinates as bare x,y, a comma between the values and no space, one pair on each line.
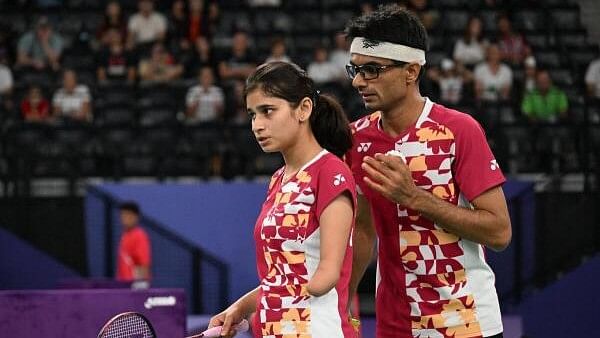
228,318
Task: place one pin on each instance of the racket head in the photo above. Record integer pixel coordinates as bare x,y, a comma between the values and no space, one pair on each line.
127,325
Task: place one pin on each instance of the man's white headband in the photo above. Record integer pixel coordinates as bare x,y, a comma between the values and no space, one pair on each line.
387,50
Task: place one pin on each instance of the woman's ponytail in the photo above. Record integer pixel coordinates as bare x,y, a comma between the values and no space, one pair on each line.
330,125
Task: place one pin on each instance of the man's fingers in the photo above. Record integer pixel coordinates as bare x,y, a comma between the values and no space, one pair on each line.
390,161
374,172
374,185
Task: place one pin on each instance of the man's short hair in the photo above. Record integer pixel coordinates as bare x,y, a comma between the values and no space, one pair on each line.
390,23
130,206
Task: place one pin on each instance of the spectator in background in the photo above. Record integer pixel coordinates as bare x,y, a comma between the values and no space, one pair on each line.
513,47
237,105
240,62
6,77
470,49
72,102
592,80
321,70
113,19
546,103
451,79
423,10
278,51
493,79
40,48
160,67
202,18
177,29
114,62
134,258
146,26
529,77
202,56
340,55
204,102
6,85
35,107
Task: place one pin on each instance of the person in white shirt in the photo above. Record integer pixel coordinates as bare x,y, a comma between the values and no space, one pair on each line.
493,79
592,79
470,49
6,77
340,55
73,100
146,25
278,52
321,70
6,84
451,79
204,102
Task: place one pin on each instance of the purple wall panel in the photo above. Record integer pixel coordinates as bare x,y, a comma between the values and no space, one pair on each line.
82,313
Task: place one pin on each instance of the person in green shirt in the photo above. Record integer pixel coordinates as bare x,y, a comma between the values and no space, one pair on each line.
545,103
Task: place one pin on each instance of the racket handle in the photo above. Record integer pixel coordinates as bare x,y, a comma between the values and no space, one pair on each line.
215,332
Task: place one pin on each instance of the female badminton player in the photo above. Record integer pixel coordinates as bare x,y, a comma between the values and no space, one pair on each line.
303,233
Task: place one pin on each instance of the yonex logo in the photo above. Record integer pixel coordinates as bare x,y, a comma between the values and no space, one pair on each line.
494,165
370,43
363,147
160,301
338,179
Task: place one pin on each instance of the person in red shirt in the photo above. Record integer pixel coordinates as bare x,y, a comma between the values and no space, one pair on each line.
303,232
134,259
34,107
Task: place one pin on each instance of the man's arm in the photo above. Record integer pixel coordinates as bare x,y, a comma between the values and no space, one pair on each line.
488,223
363,244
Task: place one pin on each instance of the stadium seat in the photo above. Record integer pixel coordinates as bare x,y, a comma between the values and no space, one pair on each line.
530,20
115,116
565,18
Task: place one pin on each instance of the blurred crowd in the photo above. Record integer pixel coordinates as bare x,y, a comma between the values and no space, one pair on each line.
151,63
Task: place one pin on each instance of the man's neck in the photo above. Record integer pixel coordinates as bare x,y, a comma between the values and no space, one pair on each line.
397,120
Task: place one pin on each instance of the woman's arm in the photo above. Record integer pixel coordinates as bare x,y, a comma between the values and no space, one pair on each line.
335,224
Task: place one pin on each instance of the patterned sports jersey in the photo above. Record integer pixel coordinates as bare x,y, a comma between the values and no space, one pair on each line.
431,283
287,239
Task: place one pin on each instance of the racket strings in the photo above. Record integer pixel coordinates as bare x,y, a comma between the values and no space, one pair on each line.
129,326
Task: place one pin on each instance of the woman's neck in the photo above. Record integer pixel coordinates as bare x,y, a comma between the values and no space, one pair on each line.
300,153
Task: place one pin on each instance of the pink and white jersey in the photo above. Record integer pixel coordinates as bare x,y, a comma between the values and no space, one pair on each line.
287,236
431,283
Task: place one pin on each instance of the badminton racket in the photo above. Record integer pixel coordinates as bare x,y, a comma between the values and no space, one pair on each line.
135,325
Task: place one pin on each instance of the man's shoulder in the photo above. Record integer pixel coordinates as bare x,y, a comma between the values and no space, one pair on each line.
453,119
365,124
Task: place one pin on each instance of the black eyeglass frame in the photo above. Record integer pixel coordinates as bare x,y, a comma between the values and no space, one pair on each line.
353,70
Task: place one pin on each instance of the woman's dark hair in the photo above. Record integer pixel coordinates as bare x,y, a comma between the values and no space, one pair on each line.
289,82
467,32
390,23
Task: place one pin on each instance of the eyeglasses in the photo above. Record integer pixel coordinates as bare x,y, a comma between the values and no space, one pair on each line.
369,71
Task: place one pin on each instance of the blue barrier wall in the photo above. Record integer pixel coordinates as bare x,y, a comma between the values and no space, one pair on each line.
520,198
567,308
219,218
25,267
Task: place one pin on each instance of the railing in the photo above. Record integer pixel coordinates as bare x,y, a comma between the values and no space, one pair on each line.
208,282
